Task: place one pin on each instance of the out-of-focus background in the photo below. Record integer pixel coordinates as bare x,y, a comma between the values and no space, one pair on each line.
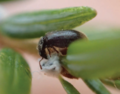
108,13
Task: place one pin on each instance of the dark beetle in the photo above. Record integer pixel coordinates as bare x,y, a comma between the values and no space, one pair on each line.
58,41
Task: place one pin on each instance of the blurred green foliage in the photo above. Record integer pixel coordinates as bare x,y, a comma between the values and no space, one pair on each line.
36,24
95,58
68,87
4,0
112,82
97,86
15,75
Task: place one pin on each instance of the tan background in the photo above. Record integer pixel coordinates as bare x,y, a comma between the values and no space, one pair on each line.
108,15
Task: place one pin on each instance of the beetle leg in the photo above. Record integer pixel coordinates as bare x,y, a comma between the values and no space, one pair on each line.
40,64
49,52
55,49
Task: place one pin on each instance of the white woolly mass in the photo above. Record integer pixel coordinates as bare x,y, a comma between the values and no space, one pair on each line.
52,66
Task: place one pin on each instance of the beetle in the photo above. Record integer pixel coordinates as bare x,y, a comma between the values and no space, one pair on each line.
58,39
58,42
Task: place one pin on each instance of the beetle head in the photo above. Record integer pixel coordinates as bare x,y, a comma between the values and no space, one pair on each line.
41,48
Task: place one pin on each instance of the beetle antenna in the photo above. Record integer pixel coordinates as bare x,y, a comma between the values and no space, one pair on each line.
40,64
